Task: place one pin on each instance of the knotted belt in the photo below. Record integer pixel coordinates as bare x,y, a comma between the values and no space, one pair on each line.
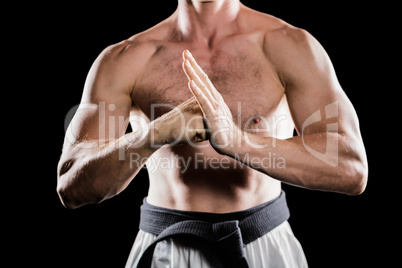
226,233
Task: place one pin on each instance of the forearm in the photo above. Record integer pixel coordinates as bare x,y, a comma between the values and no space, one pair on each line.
92,171
339,168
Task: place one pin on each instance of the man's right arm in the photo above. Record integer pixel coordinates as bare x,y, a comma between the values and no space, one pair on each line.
89,169
95,162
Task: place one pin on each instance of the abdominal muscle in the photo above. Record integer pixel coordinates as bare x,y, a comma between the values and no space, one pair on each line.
197,178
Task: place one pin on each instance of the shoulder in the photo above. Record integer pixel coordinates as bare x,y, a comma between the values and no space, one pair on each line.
125,54
278,36
138,47
291,50
289,39
275,30
294,51
119,66
125,60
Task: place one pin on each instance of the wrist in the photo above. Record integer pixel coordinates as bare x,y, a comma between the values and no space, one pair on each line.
157,134
234,145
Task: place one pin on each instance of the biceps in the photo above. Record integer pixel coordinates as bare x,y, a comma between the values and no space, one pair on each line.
323,110
316,99
99,121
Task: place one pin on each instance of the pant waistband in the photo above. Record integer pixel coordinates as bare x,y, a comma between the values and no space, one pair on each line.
227,232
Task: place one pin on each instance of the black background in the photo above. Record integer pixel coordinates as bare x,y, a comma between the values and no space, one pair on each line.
63,39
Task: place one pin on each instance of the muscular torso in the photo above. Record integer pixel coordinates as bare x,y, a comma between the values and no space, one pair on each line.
194,176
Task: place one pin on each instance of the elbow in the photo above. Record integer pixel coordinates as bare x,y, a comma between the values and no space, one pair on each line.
67,196
74,194
72,186
358,186
71,198
357,180
65,200
64,185
65,188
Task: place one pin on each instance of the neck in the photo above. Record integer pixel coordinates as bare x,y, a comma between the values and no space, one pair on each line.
206,21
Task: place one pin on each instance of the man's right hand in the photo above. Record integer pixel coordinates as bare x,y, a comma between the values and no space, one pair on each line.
183,124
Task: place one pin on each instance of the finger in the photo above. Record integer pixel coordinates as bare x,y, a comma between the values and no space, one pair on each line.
198,70
188,56
193,76
204,103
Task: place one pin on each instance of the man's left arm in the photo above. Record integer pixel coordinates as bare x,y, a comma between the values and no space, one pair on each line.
328,154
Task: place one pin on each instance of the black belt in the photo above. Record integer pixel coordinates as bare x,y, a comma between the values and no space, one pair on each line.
227,233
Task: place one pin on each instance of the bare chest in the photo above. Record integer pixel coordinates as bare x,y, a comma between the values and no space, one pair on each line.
244,77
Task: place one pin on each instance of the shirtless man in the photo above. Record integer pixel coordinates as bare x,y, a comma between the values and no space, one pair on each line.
249,81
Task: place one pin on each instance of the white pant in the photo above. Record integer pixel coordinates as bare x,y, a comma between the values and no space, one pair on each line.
278,248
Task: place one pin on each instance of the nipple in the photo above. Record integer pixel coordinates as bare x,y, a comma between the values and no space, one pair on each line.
256,119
